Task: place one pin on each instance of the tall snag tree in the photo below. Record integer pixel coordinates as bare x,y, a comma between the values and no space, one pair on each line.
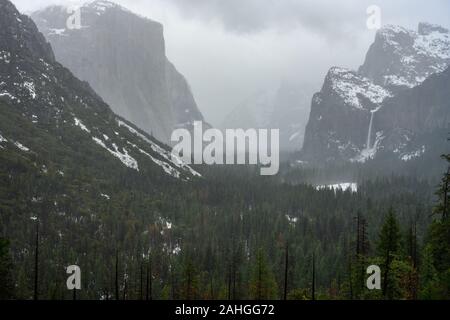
286,270
36,263
149,280
412,246
360,255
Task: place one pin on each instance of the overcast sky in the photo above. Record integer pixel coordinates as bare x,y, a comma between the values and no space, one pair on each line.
231,49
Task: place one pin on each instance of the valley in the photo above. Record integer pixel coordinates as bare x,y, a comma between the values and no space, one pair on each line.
88,177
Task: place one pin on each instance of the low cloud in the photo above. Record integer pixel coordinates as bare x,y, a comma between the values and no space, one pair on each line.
231,49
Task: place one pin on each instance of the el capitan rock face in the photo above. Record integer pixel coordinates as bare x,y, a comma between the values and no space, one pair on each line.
358,114
123,57
48,116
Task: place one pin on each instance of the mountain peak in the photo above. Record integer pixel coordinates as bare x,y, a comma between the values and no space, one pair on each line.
401,58
426,28
393,29
96,8
18,32
101,6
339,71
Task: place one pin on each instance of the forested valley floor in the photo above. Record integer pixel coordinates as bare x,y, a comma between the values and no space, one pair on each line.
229,235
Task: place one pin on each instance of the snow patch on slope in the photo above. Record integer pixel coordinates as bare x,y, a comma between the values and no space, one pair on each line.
435,44
421,53
21,146
56,32
80,124
2,140
292,220
173,160
352,87
166,167
124,157
344,186
31,89
411,155
104,195
5,56
100,7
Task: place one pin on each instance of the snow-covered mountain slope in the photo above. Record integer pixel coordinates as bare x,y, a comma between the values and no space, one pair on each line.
122,56
356,91
353,117
340,116
45,97
401,58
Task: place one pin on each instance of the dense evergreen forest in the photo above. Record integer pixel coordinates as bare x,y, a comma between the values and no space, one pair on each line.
81,186
229,235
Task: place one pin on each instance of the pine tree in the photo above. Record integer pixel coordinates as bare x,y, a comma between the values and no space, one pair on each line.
439,238
190,281
262,285
429,280
149,281
443,193
141,281
388,247
6,277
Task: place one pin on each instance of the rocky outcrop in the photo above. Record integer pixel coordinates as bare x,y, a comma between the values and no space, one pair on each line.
401,58
386,105
340,116
421,111
122,56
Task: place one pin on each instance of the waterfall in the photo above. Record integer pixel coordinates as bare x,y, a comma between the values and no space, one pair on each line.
369,134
